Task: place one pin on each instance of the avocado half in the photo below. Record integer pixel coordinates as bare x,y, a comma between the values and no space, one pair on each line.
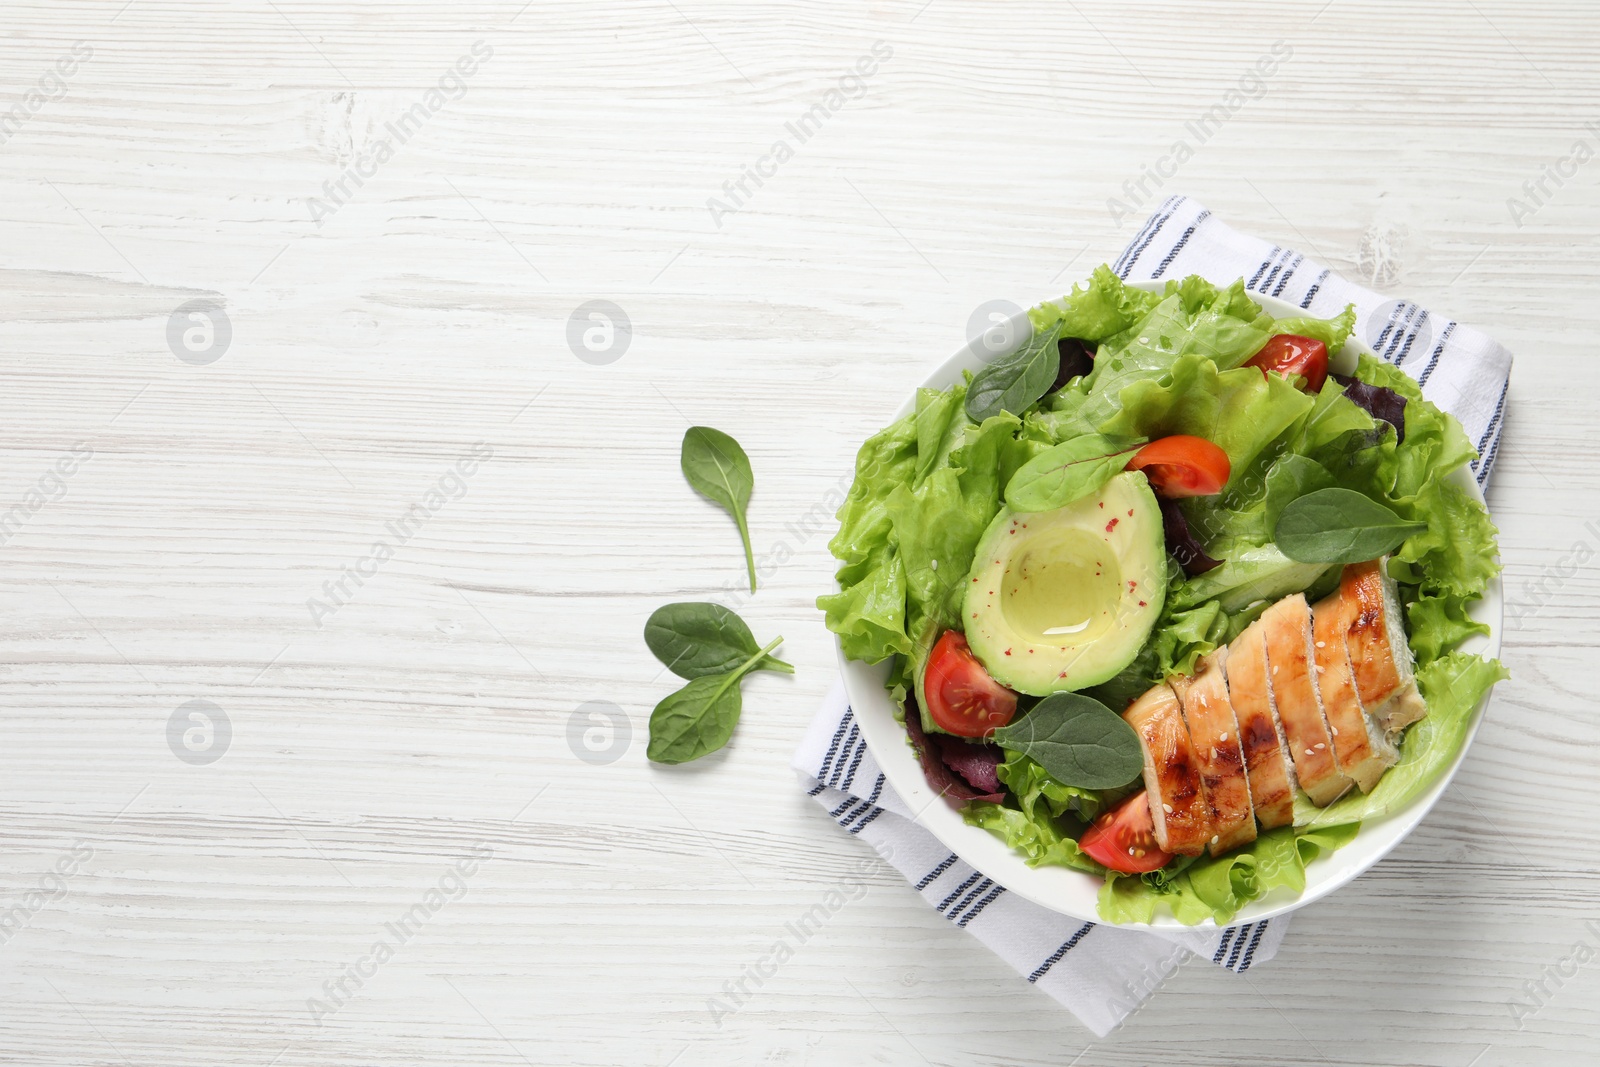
1062,600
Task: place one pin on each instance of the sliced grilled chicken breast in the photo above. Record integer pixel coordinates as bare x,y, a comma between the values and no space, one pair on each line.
1266,755
1290,663
1360,748
1214,732
1380,657
1178,803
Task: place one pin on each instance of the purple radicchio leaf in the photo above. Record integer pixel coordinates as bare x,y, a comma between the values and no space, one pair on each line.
1380,402
1077,359
955,768
1190,554
975,762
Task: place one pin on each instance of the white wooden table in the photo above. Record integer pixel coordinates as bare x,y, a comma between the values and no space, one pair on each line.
409,745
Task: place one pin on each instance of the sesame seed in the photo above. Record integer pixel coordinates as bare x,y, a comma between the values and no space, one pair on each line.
1215,838
1322,644
1167,808
1224,736
1130,851
1274,670
933,564
1335,731
1310,753
1319,669
1320,745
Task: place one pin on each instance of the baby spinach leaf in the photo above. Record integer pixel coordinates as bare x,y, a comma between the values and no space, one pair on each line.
696,638
1339,526
700,717
1078,740
717,467
696,720
1069,471
1291,477
1015,383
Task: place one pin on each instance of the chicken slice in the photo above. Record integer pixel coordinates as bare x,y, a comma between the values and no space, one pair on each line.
1360,748
1380,657
1178,803
1214,732
1266,753
1290,663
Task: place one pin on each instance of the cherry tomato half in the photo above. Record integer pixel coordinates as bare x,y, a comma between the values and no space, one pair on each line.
1290,354
960,695
1125,839
1180,466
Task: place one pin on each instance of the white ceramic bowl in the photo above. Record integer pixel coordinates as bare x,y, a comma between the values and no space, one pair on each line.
1073,892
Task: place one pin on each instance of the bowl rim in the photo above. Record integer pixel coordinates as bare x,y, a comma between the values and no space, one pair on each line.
1075,893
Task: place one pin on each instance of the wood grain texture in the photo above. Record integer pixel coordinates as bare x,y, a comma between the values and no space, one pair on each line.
430,715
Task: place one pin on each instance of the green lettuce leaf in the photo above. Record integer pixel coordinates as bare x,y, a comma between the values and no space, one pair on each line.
1030,819
869,616
1256,574
1435,443
1332,332
1457,554
925,489
940,419
1224,326
1452,685
1103,308
938,524
1438,624
1131,899
1331,418
869,611
1242,411
1039,841
1041,796
1216,888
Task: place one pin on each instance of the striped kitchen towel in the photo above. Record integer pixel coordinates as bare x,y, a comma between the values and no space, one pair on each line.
1100,973
1103,973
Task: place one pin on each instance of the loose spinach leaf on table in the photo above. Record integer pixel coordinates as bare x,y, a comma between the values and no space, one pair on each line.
1014,383
700,717
1078,740
718,468
695,638
1339,526
1067,472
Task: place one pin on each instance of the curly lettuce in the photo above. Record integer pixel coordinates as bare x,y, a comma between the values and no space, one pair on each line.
1452,685
1035,819
1217,887
869,611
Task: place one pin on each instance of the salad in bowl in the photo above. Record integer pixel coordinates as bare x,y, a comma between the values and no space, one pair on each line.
1169,601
